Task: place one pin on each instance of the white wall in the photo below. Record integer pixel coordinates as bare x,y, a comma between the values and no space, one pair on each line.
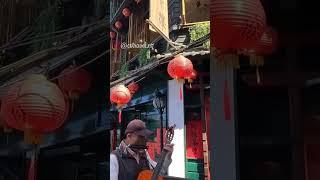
176,116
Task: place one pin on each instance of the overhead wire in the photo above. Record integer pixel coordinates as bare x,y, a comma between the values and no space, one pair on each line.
63,74
39,37
161,60
25,60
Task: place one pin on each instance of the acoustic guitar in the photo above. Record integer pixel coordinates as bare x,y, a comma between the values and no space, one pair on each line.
154,175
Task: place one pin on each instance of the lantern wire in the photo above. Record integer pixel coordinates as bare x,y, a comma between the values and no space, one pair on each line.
81,66
164,59
63,74
42,37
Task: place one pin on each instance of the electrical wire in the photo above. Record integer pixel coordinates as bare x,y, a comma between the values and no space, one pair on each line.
63,74
26,60
39,37
198,42
81,66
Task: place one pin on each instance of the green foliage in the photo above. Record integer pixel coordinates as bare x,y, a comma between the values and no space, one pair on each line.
144,56
123,70
199,30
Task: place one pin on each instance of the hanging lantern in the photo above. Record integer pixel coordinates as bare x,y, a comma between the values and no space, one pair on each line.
192,77
133,87
112,34
266,45
75,81
236,25
180,68
126,12
35,106
120,95
118,25
116,45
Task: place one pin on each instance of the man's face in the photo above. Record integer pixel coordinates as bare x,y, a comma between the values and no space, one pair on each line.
135,139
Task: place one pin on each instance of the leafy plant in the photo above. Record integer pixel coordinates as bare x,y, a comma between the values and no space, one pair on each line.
144,56
123,70
199,30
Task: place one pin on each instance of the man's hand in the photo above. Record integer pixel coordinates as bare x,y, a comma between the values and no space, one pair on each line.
169,148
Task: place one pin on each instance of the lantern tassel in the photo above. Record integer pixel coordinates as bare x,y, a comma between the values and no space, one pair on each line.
258,75
120,116
31,137
181,92
32,172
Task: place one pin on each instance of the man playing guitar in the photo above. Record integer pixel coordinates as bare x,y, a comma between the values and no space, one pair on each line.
131,157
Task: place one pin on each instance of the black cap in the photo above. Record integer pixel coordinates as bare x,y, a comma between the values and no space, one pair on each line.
138,127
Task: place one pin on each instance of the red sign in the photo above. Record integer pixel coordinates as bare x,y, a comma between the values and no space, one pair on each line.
154,147
194,140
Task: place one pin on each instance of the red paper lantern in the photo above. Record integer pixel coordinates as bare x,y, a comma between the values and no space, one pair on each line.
180,69
75,81
116,45
120,95
118,25
34,105
112,34
236,24
133,87
192,76
126,12
267,43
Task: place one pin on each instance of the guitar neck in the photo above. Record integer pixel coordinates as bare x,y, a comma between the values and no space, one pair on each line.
157,169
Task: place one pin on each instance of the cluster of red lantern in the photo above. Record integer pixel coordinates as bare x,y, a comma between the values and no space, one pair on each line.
35,106
120,95
180,68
